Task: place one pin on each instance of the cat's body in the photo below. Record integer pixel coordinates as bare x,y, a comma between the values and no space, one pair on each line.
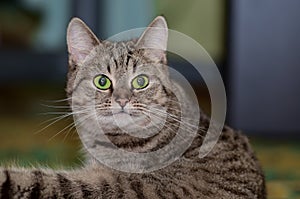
230,170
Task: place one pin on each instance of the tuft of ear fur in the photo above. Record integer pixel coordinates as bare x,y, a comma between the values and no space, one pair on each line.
155,39
80,39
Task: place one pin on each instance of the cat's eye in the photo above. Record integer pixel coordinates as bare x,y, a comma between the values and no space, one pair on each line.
140,82
102,82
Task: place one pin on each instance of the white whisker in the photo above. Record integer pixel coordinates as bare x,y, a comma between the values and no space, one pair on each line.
56,101
68,126
60,118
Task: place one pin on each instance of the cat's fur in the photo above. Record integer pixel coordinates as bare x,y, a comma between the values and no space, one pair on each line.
230,170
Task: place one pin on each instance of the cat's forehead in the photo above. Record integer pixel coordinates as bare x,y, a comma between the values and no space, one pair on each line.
119,48
120,60
116,57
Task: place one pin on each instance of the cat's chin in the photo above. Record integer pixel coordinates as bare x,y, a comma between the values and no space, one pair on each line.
126,120
141,126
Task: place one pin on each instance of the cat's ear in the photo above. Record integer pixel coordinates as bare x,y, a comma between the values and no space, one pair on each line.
80,39
154,39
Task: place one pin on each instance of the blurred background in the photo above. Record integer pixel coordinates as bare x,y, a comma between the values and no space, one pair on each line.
255,44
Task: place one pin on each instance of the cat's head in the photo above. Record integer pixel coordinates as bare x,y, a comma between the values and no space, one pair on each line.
126,83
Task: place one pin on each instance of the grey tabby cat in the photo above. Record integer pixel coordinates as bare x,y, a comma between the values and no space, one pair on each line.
230,170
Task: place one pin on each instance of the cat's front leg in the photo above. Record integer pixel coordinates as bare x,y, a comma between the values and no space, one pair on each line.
91,181
37,183
24,183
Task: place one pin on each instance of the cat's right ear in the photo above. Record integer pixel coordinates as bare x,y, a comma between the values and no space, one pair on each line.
80,40
154,40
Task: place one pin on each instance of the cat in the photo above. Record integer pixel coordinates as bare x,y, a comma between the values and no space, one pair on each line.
111,75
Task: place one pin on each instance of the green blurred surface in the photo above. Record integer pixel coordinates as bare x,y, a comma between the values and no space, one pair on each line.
204,21
23,147
281,162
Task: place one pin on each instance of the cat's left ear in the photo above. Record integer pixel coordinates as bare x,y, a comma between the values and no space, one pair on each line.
154,40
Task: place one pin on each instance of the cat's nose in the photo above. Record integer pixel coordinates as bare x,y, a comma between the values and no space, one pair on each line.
122,101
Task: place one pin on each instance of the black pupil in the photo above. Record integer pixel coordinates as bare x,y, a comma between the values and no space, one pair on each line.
102,81
141,81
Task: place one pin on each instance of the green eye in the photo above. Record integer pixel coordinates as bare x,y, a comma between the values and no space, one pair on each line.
140,82
102,82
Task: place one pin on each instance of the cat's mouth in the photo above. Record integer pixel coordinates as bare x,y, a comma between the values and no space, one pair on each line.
124,118
122,112
126,113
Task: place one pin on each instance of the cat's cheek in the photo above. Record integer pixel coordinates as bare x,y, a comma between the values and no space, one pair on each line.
162,100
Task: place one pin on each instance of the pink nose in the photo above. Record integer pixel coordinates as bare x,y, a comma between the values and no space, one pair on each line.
122,102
